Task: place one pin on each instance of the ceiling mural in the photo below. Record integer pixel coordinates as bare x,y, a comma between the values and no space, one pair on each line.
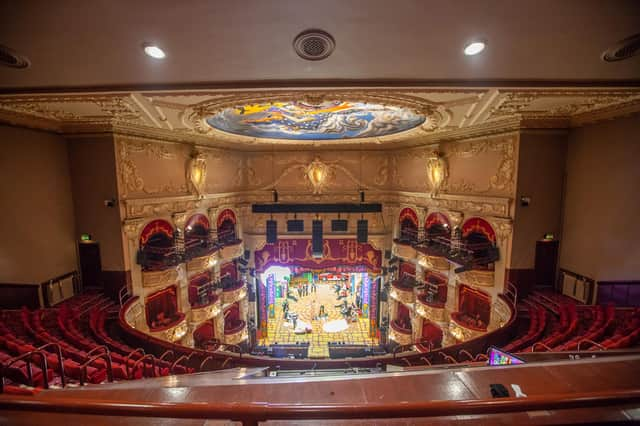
323,121
383,118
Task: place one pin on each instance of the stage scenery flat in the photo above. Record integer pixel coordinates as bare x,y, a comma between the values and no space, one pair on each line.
325,121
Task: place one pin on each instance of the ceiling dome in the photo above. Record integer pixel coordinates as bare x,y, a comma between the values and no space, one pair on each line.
323,121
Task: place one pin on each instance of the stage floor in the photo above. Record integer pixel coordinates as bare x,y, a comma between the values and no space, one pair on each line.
307,307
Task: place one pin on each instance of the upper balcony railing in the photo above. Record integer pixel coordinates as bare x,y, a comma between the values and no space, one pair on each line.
183,250
466,254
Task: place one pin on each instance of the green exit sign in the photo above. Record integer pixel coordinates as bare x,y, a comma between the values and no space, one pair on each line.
85,237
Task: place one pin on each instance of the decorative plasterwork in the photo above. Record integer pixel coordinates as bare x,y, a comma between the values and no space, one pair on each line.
453,113
197,172
504,178
437,172
129,176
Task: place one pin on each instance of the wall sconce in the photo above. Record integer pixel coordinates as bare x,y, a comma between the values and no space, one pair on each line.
437,172
317,173
197,172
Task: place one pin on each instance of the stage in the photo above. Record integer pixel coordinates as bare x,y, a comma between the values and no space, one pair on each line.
326,325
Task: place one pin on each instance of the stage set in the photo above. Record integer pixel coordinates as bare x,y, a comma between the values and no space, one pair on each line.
318,303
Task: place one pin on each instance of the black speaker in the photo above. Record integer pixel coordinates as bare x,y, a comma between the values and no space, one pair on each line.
247,254
339,225
387,254
316,238
295,225
272,231
363,230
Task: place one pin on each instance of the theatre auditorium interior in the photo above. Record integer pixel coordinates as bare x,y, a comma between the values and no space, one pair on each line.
320,212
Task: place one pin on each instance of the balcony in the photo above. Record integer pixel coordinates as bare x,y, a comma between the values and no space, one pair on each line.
403,250
231,250
200,313
159,258
429,308
159,278
477,277
402,290
463,329
234,292
173,331
199,264
235,333
399,334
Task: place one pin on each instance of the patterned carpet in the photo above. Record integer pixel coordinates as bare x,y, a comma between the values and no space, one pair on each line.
307,308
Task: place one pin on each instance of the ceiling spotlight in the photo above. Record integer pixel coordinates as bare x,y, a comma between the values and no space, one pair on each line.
474,48
153,51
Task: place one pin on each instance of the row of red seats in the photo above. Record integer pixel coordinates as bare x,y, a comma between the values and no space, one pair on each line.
601,324
537,325
566,328
626,335
126,363
71,368
97,321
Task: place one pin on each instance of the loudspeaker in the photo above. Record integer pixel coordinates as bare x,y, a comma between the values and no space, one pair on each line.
295,225
272,231
363,230
387,254
339,225
247,254
316,238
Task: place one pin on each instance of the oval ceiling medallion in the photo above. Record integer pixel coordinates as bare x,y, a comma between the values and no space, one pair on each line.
323,121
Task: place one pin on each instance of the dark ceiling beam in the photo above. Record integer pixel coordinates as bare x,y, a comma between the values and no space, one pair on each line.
317,208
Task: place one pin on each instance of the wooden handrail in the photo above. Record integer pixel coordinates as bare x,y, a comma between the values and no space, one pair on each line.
250,413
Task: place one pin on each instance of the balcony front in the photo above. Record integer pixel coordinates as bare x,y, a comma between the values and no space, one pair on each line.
199,264
402,291
399,334
173,331
464,328
235,333
234,292
430,308
403,250
477,277
157,279
231,250
207,311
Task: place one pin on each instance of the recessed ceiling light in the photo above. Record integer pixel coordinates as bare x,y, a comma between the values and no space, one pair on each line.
154,51
474,48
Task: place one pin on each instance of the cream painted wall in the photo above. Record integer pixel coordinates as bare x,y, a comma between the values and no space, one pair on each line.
601,236
37,226
541,164
93,173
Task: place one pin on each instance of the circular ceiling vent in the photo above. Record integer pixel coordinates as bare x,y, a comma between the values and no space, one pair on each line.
314,45
11,58
624,49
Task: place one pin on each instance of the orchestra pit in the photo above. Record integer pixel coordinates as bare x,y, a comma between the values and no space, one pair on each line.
305,213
